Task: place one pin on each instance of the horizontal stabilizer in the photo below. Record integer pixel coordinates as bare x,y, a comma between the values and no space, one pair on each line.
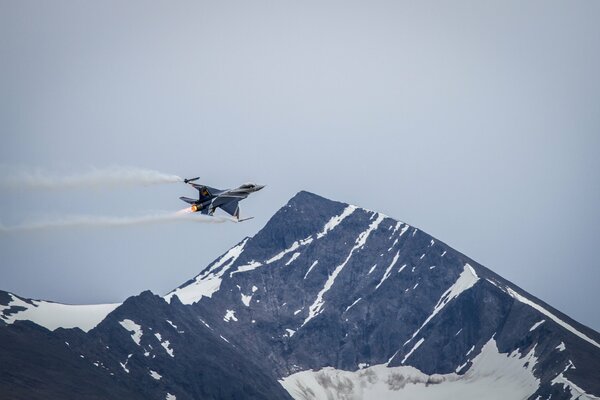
188,200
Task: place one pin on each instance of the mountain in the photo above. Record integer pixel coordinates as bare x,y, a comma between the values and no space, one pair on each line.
143,349
328,300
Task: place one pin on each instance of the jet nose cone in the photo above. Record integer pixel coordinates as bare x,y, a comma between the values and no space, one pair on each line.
258,187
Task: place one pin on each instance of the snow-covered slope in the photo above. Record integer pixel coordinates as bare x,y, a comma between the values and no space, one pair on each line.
53,315
209,281
493,375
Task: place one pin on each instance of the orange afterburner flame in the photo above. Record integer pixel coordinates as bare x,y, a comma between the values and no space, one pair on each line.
194,208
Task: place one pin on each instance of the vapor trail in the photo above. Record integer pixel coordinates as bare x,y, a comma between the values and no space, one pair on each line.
91,178
99,221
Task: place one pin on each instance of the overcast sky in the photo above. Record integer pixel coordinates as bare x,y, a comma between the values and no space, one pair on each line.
478,122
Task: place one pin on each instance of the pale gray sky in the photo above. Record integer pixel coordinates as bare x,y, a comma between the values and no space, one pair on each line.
478,122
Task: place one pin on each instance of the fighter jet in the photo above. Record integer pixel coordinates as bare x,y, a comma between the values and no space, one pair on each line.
209,199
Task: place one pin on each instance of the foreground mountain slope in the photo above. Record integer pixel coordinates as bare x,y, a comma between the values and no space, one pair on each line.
145,348
326,284
34,360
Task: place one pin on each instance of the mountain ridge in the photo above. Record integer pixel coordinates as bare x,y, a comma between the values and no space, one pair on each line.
326,284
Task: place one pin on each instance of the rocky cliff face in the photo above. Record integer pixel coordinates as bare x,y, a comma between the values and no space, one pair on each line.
336,301
326,284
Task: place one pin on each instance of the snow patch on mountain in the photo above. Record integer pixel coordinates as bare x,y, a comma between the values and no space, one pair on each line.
335,221
536,325
470,350
56,315
467,278
295,246
248,267
402,232
388,271
553,317
165,344
230,315
311,267
353,304
292,258
492,376
416,346
576,392
317,306
209,281
174,326
397,226
131,326
246,299
155,375
124,365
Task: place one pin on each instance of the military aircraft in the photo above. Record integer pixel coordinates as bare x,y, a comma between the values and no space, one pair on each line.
209,199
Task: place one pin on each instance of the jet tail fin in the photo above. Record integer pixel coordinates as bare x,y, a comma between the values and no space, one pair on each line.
205,192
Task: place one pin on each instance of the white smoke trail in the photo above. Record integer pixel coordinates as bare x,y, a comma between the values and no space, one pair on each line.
92,178
99,221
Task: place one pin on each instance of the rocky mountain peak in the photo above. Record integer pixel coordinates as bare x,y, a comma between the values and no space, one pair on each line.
330,300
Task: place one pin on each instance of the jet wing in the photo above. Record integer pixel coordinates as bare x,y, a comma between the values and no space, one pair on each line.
219,201
228,203
232,208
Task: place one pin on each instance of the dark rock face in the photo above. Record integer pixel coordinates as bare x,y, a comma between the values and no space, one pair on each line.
37,364
322,284
388,280
190,359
